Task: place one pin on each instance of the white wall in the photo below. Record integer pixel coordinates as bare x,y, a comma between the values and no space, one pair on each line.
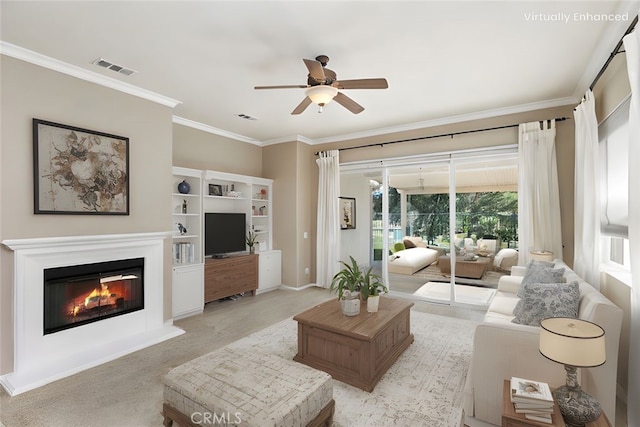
357,242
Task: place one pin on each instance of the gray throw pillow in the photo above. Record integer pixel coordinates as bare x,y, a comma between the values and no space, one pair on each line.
542,300
541,272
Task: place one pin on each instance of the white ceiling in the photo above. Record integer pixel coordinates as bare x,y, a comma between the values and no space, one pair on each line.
444,61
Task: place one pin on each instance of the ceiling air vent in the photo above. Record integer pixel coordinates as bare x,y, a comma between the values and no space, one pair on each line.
113,67
247,117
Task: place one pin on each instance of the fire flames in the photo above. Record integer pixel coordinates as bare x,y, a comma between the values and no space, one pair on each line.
97,298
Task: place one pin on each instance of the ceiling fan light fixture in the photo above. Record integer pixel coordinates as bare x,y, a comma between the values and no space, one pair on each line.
321,94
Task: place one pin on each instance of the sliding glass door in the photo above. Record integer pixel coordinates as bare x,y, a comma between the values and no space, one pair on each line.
458,210
418,221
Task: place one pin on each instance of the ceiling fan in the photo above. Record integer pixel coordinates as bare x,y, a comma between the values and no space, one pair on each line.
323,86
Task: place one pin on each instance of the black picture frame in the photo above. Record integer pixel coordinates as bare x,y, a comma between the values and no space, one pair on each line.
215,190
79,171
347,213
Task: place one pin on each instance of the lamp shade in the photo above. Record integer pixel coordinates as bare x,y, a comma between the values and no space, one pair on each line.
541,255
572,342
321,94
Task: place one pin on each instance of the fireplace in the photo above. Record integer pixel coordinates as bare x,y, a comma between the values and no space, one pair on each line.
80,294
104,298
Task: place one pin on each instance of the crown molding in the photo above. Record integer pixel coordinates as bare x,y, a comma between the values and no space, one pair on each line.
293,138
44,61
487,114
605,46
210,129
480,115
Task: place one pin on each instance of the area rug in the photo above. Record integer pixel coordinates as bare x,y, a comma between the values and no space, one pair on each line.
432,273
422,388
438,291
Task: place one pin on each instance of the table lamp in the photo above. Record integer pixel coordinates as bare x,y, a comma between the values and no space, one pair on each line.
576,344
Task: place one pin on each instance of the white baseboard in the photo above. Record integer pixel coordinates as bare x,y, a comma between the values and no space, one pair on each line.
301,288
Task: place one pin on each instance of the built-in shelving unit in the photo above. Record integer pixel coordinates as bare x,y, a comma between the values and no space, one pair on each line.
212,191
226,192
186,247
187,217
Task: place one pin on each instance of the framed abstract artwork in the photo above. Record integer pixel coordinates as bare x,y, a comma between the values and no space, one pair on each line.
79,171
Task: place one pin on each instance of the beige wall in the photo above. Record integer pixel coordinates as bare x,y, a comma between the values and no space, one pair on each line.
306,176
287,164
31,92
280,164
193,148
564,151
612,87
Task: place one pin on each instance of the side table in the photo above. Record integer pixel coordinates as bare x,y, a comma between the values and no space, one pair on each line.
511,419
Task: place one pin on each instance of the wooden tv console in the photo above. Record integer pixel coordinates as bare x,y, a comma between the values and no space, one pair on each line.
224,277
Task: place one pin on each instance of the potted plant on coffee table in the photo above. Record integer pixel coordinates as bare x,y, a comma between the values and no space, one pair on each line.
348,283
371,287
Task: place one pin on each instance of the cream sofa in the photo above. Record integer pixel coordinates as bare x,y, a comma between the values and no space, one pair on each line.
414,257
503,349
408,261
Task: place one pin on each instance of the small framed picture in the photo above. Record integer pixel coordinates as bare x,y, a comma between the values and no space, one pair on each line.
347,213
215,190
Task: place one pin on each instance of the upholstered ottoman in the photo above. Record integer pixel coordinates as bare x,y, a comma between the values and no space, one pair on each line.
233,387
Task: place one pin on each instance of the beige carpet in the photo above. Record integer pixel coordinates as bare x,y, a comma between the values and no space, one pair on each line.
127,392
440,292
422,388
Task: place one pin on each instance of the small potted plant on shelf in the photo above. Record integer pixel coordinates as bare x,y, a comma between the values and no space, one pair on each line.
252,241
347,283
371,288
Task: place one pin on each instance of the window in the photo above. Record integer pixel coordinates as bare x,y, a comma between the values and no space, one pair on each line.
614,185
614,173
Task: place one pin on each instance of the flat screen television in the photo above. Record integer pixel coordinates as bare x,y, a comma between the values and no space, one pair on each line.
224,233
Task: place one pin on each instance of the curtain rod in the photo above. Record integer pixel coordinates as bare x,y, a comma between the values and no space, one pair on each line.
451,134
614,53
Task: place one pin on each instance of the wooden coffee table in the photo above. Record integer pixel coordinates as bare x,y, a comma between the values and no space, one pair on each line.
356,350
469,269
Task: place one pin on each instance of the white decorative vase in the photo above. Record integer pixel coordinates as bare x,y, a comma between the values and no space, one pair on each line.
372,303
350,307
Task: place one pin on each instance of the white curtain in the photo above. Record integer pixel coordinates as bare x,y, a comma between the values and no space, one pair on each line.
632,47
538,198
586,259
328,245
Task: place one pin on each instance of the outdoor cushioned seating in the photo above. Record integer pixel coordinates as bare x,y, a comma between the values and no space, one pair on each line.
415,257
504,348
248,389
505,259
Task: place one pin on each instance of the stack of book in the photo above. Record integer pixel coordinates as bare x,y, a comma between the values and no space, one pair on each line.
533,399
183,253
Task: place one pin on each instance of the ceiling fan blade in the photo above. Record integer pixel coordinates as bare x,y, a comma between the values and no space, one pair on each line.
315,69
348,103
302,106
362,84
282,87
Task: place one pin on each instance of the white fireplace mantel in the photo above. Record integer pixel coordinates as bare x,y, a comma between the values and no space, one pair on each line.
44,243
104,340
